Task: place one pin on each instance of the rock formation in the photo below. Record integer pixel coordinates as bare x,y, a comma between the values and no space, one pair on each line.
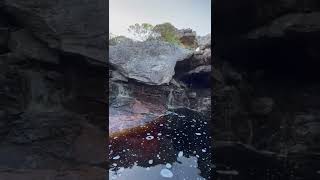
52,79
266,88
149,78
150,62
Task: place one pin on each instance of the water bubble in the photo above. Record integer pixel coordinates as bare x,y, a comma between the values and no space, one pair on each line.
116,157
204,150
168,165
149,138
166,173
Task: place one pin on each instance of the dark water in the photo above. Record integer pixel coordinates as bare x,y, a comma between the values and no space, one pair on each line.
176,146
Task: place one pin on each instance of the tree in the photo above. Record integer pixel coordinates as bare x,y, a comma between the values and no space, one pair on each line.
142,31
114,39
164,32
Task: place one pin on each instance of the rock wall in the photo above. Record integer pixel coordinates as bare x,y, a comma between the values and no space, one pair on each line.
266,88
146,79
53,103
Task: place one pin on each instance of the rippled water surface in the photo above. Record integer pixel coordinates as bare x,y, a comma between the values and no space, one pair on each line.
175,146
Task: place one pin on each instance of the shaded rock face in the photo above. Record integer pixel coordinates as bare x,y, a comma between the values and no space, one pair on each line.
76,27
150,62
52,100
23,44
133,104
266,86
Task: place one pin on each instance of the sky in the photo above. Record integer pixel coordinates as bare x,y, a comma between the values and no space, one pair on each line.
194,14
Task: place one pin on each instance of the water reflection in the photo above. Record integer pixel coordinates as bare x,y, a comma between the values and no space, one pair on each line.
175,146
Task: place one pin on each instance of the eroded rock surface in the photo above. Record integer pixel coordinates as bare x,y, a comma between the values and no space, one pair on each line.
52,100
150,62
76,27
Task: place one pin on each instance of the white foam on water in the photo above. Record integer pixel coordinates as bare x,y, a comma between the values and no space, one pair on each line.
168,165
180,154
166,173
116,157
149,138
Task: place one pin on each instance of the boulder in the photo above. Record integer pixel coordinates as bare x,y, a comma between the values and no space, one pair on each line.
204,41
150,62
188,37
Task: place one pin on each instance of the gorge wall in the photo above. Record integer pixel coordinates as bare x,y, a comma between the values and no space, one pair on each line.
266,88
53,103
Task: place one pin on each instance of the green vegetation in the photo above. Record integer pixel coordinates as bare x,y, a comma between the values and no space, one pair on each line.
165,32
114,39
142,31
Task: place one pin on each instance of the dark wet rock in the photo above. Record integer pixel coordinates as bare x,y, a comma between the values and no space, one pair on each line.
217,75
49,93
150,62
74,26
78,173
201,69
230,74
25,45
4,38
262,106
41,126
289,24
134,104
89,147
202,57
266,97
200,77
243,16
